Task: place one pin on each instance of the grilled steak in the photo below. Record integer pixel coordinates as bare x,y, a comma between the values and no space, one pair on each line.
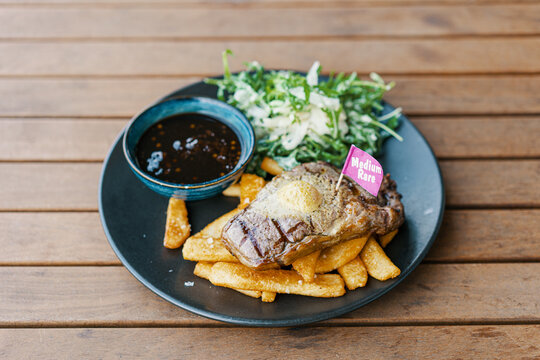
300,211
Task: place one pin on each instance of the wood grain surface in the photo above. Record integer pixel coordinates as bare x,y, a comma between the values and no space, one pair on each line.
58,238
488,235
66,238
481,137
403,342
72,73
104,296
42,186
189,24
487,183
121,97
74,186
87,140
90,140
386,56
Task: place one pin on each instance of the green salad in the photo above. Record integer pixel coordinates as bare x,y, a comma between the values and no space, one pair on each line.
299,119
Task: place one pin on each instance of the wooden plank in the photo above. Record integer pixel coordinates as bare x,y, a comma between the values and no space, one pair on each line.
150,58
182,23
77,238
89,140
120,97
492,341
488,235
69,186
104,296
73,186
54,239
492,183
83,97
466,137
467,95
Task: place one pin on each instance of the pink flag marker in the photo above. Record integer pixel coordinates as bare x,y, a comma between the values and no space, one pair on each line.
364,169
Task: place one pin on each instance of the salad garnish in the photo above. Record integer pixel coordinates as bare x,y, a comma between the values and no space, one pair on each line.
299,118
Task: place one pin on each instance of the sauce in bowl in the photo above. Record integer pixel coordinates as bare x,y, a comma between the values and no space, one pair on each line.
188,148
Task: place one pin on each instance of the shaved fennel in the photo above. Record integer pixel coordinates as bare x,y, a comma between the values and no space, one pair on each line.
299,118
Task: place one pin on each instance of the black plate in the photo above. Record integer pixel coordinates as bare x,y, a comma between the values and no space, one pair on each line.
134,219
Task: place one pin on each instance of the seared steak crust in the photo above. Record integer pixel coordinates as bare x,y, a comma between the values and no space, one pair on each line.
269,233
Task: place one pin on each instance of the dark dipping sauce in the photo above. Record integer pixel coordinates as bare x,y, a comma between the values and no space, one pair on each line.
187,149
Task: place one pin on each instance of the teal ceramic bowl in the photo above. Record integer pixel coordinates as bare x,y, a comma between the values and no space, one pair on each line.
219,110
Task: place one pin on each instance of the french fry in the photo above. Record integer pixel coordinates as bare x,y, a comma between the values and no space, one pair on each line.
354,273
177,226
250,185
233,190
204,269
271,166
377,263
238,276
338,255
206,245
267,296
253,293
198,248
305,266
385,239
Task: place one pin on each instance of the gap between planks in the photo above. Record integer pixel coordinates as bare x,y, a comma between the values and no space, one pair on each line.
269,38
440,158
443,117
202,76
209,324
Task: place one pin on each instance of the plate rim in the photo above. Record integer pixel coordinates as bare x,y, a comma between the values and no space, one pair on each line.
237,320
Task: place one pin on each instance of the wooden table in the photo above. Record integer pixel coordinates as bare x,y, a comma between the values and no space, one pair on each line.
74,71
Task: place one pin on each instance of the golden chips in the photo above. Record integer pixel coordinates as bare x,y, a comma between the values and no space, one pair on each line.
177,226
268,296
238,276
233,191
206,245
271,166
353,259
198,248
306,266
338,255
377,263
250,185
204,269
354,273
385,239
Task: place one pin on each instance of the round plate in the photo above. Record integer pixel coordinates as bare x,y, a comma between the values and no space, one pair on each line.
134,220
